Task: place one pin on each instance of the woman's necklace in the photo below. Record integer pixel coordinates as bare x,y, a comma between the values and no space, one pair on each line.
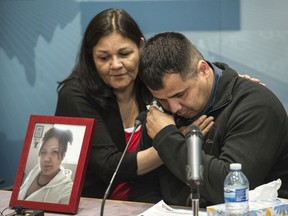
38,183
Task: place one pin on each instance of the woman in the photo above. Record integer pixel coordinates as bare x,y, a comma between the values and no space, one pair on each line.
104,85
48,181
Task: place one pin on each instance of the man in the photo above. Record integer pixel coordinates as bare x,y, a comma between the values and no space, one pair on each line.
251,125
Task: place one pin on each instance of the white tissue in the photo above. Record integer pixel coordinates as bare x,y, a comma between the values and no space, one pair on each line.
266,192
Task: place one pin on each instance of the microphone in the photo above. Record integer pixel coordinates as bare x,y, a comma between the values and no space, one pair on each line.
19,210
193,140
138,121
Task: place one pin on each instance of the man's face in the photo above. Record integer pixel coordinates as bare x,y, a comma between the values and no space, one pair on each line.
184,98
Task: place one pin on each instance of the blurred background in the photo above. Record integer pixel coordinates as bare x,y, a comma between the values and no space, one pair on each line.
39,41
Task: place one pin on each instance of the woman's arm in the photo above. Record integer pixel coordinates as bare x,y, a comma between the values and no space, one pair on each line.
108,140
148,160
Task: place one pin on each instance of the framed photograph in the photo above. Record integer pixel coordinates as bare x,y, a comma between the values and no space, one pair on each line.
38,132
53,163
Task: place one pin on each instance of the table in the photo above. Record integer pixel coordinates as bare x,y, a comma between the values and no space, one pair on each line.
89,206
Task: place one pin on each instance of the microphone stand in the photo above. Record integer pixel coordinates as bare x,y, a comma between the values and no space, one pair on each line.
195,195
137,124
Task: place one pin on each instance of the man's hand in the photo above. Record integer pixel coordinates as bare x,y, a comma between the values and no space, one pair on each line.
203,122
157,120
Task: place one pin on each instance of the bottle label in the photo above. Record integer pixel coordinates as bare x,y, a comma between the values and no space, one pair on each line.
236,195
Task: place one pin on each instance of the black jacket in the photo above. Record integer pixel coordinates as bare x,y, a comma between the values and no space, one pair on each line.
251,128
107,146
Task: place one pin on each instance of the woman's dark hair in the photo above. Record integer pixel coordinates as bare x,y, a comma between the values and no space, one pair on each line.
63,136
104,23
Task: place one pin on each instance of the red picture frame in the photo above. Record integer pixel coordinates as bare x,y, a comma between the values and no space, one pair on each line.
82,134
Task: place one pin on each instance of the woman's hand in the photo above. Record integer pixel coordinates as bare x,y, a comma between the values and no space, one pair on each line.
246,76
203,122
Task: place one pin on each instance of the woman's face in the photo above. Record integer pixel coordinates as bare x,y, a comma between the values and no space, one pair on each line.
116,59
50,157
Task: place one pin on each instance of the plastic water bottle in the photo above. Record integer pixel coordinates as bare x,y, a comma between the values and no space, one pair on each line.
236,191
